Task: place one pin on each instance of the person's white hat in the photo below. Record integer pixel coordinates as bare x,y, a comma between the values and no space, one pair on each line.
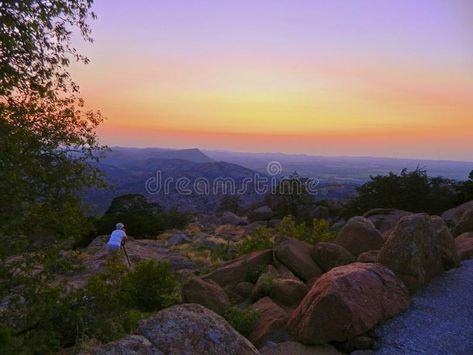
120,226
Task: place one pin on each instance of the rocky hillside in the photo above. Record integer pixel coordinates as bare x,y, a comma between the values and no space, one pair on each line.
130,176
322,298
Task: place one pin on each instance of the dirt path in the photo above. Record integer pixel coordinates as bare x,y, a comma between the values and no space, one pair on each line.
439,320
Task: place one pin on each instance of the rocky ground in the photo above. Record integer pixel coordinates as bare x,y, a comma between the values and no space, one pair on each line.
320,299
439,320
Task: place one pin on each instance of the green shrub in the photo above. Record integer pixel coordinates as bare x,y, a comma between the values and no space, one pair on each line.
64,263
141,218
44,318
261,239
243,320
319,231
412,191
265,283
152,286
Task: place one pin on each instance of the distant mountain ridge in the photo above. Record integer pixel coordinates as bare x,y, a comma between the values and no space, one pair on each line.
127,170
123,155
344,169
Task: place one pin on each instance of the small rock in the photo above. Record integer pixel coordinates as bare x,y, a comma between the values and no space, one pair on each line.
236,271
362,342
330,255
178,239
285,273
385,219
271,323
288,292
370,256
295,255
464,246
359,235
251,228
232,218
465,224
453,215
206,293
131,344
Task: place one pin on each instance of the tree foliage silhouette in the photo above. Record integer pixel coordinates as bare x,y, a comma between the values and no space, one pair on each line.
47,137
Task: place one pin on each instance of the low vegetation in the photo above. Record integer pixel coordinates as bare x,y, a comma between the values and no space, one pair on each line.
242,320
319,231
260,239
412,191
42,316
142,219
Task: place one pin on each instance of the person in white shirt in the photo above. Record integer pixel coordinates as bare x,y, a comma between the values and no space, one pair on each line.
117,237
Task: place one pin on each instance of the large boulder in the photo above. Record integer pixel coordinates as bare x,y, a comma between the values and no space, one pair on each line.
359,235
236,271
131,344
96,256
465,223
464,246
385,219
263,213
346,302
295,255
453,215
283,288
288,291
445,243
418,249
206,293
193,329
178,239
232,218
330,255
271,324
264,283
148,249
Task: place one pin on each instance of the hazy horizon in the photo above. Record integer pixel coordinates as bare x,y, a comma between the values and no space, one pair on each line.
242,152
335,78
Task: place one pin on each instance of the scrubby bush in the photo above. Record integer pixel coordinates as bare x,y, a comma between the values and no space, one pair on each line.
260,239
44,317
142,218
412,191
291,197
243,320
465,189
318,232
152,286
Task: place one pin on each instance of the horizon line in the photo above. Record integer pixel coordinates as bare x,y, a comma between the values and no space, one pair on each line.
202,150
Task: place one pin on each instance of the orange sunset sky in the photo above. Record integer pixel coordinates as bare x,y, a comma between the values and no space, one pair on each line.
341,77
